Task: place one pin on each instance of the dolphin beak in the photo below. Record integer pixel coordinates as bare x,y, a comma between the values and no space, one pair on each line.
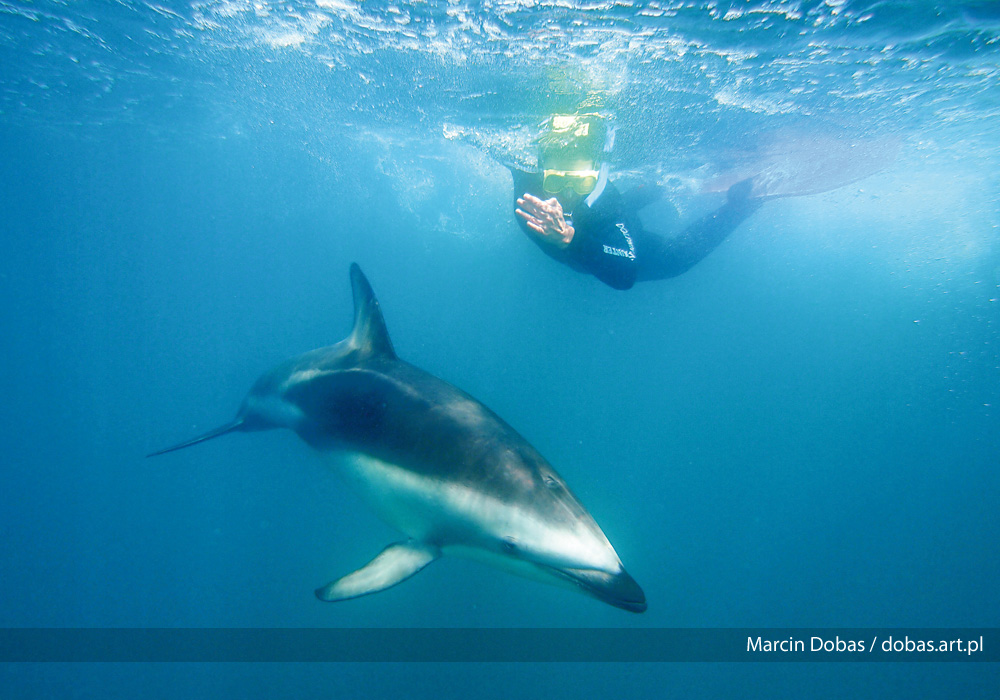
228,428
619,590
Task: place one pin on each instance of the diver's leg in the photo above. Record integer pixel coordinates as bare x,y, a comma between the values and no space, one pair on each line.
661,258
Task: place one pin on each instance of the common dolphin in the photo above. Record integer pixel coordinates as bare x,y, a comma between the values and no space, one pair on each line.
434,463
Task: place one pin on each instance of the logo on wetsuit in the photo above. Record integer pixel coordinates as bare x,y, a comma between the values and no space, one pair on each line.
621,252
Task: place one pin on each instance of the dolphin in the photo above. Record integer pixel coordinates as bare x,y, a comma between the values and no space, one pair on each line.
434,463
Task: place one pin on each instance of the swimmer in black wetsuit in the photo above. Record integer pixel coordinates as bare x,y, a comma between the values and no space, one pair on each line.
579,218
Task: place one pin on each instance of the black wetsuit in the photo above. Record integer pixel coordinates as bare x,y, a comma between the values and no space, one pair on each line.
610,242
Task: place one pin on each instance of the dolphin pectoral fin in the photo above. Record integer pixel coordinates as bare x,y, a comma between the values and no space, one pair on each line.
395,564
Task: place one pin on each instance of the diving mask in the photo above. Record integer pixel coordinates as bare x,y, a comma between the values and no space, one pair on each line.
582,182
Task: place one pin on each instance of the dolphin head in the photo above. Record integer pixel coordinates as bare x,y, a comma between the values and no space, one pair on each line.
615,587
533,559
551,537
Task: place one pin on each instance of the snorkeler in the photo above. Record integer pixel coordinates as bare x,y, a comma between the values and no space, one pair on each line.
578,217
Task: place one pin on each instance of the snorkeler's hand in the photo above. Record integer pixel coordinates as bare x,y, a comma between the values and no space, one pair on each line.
545,217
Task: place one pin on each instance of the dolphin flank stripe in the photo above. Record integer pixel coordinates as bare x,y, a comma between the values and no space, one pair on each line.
434,463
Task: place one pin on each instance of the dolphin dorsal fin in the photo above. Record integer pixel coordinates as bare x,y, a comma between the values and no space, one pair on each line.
369,334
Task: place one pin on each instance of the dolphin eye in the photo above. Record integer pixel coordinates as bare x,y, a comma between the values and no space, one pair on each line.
550,482
509,545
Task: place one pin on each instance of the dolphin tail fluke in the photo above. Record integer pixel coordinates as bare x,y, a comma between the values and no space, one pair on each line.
395,564
228,428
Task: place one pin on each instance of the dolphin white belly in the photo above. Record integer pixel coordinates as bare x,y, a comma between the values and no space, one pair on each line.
453,515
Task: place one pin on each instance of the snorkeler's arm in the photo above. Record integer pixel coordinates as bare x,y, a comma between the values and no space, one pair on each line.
542,220
545,219
583,245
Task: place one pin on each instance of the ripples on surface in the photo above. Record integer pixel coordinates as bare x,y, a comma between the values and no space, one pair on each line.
696,87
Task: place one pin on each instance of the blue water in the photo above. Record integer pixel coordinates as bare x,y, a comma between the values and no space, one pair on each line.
801,431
